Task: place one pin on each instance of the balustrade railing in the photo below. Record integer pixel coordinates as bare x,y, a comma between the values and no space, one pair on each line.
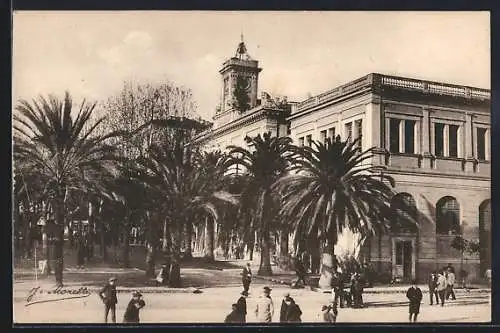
396,82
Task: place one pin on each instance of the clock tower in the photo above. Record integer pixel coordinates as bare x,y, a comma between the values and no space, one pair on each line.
240,76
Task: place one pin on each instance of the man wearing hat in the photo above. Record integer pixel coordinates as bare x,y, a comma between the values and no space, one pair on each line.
133,307
284,307
108,297
264,310
241,306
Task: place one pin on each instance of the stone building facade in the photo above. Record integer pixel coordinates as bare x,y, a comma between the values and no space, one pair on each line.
434,139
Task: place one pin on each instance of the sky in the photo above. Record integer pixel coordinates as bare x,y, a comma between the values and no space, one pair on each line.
91,54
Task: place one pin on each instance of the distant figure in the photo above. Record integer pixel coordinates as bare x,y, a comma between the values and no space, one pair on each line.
414,294
284,307
433,293
450,281
246,277
293,311
488,276
328,315
264,310
357,290
108,297
162,277
132,312
241,306
441,286
300,270
80,251
233,316
337,290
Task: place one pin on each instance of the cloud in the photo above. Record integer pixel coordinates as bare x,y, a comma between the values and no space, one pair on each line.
135,45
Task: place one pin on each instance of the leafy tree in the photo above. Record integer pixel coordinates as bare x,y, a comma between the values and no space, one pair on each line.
329,189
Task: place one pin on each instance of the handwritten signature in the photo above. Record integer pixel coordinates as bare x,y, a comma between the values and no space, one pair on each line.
57,294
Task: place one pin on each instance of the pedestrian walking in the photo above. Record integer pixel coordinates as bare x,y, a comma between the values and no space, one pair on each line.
134,306
293,311
328,314
433,293
246,277
264,310
284,308
241,306
441,286
233,316
414,294
450,281
108,297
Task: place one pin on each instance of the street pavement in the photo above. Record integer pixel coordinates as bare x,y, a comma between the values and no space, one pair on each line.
213,304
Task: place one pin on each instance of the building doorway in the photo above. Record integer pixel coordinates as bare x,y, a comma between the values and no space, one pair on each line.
403,259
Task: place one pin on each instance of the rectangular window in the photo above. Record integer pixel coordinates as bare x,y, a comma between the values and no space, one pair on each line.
410,136
453,140
309,140
301,142
438,139
359,129
394,135
348,131
331,133
481,144
322,136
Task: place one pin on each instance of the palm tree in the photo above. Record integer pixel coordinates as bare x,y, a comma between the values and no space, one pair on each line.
212,167
330,189
63,152
263,165
173,176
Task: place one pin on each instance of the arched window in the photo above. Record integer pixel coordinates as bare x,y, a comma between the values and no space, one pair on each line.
485,235
405,213
447,216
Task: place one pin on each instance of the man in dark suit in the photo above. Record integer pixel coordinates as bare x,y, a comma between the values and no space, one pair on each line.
241,306
414,294
433,293
108,297
246,277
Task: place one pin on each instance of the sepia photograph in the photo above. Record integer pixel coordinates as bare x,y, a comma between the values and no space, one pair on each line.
240,167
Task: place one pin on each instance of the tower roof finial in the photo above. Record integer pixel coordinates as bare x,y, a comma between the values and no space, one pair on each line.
241,51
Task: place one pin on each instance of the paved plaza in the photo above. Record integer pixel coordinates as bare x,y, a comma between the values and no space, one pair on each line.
213,304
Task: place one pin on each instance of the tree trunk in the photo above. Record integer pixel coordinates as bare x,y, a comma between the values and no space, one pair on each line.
175,268
209,239
151,247
59,210
188,253
327,266
102,240
265,253
126,243
283,248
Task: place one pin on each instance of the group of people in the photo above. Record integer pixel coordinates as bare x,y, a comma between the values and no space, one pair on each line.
441,285
109,299
353,296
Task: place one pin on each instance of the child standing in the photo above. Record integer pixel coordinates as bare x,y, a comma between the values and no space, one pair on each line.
414,294
132,312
